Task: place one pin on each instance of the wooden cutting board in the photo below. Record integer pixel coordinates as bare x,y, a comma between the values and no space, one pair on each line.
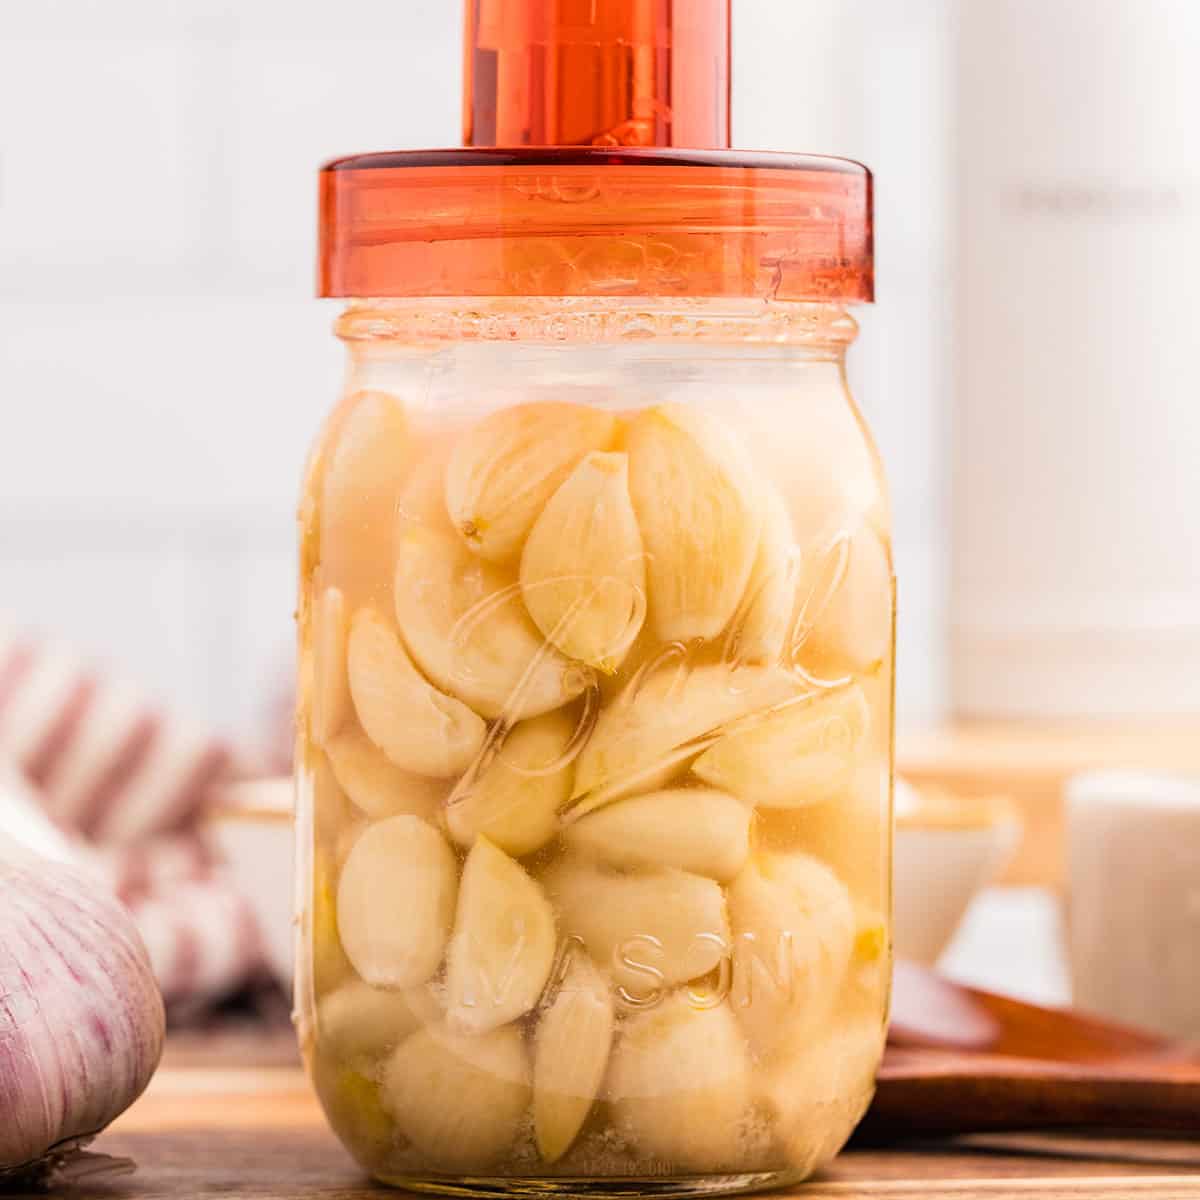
258,1134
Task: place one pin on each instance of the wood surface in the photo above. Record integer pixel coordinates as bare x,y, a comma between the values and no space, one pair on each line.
1030,761
930,1092
258,1134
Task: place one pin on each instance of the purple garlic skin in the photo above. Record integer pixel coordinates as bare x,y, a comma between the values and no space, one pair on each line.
81,1017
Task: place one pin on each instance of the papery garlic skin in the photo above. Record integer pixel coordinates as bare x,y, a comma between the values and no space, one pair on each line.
81,1017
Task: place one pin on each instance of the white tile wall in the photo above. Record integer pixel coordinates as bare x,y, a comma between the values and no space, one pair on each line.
162,366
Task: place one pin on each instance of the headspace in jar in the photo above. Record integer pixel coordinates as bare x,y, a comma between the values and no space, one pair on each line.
595,735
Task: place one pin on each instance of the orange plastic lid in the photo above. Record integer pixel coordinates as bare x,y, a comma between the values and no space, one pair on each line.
596,221
595,196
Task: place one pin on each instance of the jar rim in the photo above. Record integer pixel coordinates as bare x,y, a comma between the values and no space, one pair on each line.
596,221
597,320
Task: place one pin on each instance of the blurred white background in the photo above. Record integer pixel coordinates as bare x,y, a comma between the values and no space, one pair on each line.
163,365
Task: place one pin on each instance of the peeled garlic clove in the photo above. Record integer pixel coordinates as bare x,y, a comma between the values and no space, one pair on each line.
458,1098
844,617
360,1021
422,499
504,470
697,503
368,444
503,945
375,784
330,966
654,776
351,1101
868,977
415,725
395,901
761,628
851,836
680,1084
464,623
81,1019
802,753
583,576
331,687
642,736
570,1054
694,829
827,463
331,808
651,929
817,1094
793,933
515,800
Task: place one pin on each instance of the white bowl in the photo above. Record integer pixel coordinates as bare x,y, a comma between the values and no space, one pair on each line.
947,850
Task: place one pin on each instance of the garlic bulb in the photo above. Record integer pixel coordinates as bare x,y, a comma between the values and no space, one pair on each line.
81,1018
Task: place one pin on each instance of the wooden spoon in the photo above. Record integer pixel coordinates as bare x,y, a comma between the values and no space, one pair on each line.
961,1060
932,1012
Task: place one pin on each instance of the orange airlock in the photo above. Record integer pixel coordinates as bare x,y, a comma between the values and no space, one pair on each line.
596,165
596,73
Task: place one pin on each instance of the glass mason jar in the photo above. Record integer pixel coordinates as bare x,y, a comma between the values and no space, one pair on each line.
596,646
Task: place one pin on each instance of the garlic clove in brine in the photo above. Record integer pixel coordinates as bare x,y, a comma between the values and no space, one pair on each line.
583,577
419,728
463,621
698,504
504,470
